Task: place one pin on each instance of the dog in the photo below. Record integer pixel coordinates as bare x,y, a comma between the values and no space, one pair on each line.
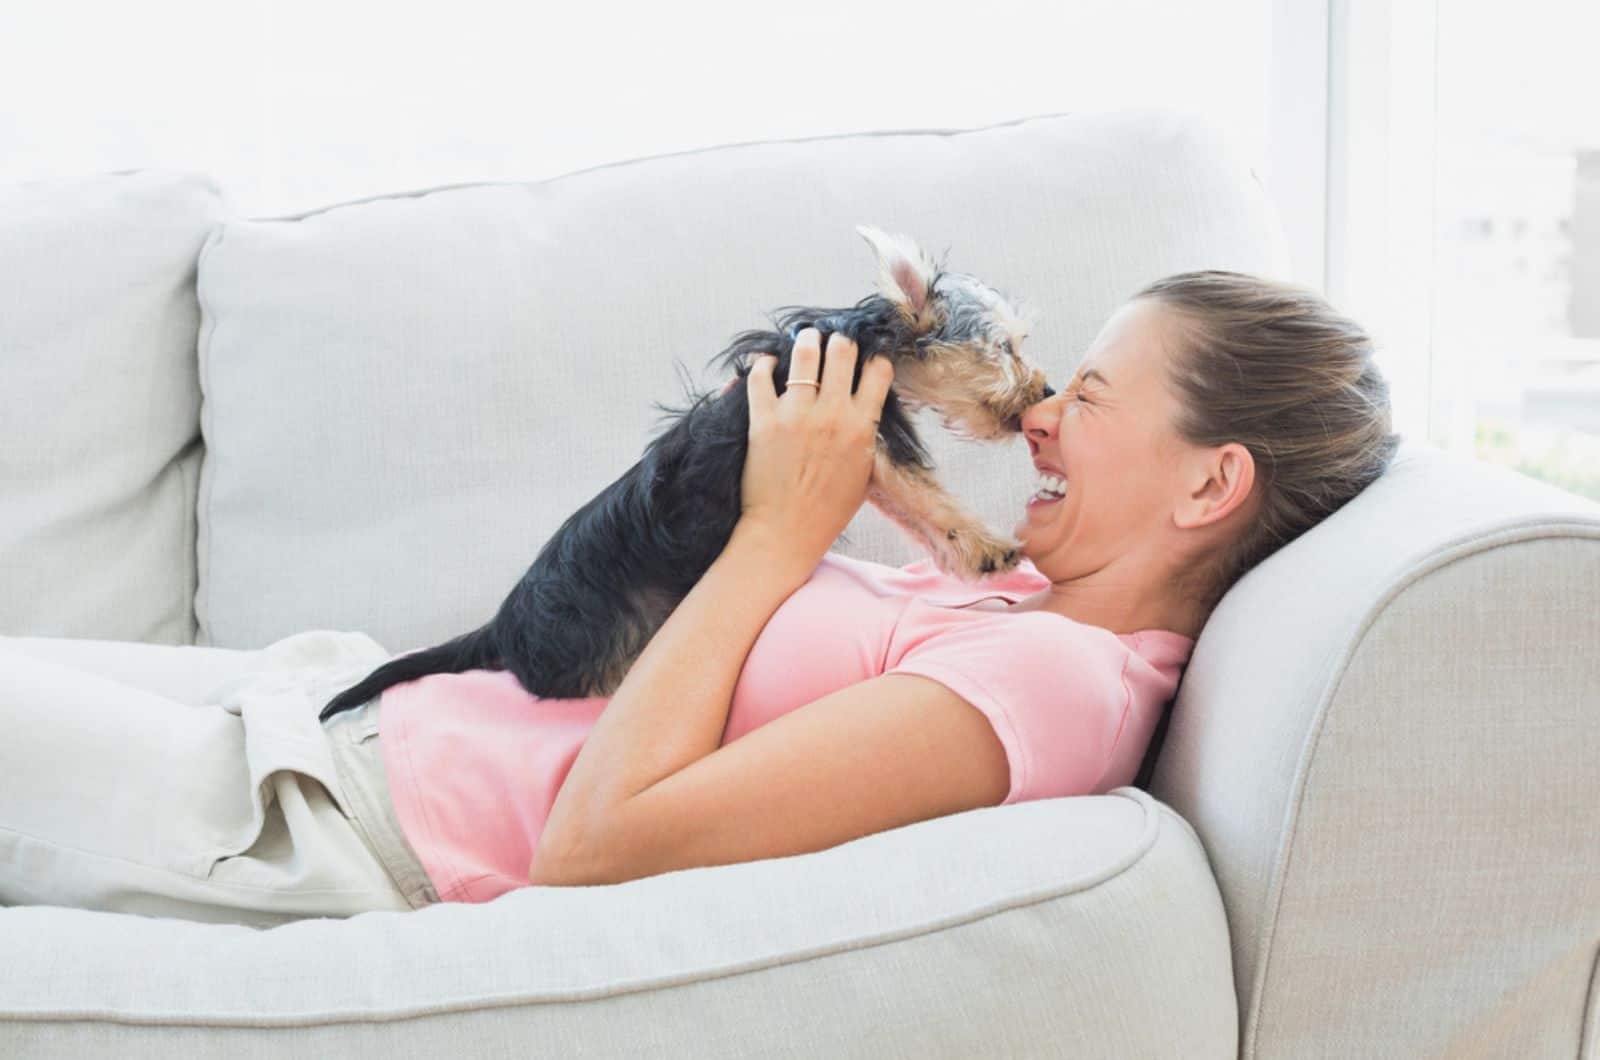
617,567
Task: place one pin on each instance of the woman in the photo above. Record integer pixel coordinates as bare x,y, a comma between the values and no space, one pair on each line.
795,699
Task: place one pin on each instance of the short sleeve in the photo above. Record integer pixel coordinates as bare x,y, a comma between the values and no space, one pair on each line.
1053,689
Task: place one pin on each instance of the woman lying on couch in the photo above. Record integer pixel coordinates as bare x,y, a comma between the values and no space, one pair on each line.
796,698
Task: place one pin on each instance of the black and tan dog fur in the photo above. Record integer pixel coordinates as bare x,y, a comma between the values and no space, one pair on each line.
615,569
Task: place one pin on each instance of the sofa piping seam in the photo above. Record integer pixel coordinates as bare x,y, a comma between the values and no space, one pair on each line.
540,181
1588,1046
207,483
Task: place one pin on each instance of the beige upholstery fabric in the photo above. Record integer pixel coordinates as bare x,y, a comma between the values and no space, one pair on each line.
1386,741
1389,738
100,404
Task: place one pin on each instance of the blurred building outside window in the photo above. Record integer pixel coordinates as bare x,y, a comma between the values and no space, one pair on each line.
1518,238
1464,222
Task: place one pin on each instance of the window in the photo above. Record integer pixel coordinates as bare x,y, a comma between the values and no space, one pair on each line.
1464,222
1517,239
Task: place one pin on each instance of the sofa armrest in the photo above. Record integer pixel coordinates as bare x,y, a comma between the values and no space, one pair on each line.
1080,927
1387,737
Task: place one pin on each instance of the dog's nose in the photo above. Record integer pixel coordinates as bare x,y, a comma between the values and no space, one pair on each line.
1049,391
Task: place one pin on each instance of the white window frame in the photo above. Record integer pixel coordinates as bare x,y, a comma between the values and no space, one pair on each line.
1296,165
1380,216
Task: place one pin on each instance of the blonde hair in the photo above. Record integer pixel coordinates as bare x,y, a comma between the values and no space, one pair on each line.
1272,366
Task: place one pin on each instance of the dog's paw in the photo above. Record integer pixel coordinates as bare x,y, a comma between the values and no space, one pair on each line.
973,553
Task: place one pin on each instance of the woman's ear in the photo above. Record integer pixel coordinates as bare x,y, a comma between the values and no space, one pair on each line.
1219,482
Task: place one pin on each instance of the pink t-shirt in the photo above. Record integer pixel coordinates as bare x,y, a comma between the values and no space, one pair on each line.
474,762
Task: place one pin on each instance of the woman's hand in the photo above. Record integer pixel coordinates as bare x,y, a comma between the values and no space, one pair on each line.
811,451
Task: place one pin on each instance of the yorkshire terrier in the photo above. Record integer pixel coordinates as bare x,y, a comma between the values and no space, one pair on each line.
615,569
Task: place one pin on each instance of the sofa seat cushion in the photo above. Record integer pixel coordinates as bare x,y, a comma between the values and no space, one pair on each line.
1086,927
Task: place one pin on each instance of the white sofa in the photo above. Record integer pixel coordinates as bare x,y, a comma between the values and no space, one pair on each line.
1371,825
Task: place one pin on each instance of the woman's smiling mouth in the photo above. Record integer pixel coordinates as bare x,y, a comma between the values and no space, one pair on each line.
1052,487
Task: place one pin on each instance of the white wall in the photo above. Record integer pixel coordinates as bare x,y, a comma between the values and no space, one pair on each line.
294,104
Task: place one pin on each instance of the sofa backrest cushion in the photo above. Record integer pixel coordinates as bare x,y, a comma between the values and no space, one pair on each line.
406,395
100,404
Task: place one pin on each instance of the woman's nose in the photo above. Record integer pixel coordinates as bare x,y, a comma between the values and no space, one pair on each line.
1038,419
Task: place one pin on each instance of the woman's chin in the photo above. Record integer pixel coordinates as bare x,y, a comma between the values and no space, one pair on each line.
1034,518
1023,531
1035,526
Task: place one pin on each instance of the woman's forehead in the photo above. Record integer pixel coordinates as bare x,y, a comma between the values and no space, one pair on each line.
1122,353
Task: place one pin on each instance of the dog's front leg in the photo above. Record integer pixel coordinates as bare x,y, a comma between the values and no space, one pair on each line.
959,541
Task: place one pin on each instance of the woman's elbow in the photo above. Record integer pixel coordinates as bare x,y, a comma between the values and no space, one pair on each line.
558,866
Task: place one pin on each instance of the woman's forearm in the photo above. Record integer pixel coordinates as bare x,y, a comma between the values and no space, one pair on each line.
671,709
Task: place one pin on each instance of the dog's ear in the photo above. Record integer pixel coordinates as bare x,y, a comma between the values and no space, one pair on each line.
905,276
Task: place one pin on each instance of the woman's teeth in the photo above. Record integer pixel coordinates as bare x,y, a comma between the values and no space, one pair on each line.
1051,488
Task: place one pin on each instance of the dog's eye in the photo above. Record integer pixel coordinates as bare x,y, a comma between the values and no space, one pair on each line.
1011,350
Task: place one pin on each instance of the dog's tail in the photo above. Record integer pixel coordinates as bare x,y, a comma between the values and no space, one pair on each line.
470,651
